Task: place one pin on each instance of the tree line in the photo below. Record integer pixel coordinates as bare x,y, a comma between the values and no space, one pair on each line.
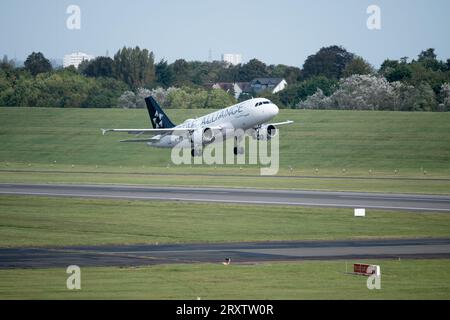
332,78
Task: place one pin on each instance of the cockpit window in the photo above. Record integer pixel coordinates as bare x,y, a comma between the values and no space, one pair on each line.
262,102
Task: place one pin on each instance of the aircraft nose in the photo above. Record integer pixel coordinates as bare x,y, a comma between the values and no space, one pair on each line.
275,109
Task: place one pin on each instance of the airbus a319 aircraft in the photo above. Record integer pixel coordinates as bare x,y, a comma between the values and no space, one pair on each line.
250,114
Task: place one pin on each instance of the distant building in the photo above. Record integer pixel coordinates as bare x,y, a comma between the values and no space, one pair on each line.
273,85
74,59
232,58
237,87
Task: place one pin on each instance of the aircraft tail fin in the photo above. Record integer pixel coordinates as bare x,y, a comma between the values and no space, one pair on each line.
157,116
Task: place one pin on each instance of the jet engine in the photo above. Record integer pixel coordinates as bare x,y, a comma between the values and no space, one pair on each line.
202,136
208,136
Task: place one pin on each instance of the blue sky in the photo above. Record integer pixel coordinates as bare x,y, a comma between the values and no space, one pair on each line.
277,31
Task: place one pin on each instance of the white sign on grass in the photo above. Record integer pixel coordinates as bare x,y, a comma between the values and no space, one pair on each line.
360,212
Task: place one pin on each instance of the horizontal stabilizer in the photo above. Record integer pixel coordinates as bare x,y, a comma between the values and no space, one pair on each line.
140,140
163,131
173,131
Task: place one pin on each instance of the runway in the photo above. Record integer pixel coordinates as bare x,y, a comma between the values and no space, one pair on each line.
240,253
384,201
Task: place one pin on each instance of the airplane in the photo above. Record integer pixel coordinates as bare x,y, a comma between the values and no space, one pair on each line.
250,114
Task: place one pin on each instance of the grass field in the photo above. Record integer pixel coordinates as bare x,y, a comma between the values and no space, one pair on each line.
337,143
41,221
405,279
323,150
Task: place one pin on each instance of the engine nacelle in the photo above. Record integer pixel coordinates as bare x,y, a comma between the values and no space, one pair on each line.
202,136
208,136
266,132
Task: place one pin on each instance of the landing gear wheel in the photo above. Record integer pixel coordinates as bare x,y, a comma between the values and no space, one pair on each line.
196,153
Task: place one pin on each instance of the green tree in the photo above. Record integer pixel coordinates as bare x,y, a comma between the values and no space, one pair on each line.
6,88
253,69
99,67
401,73
71,69
427,69
357,66
198,98
289,73
178,99
103,93
164,74
329,62
135,67
444,97
427,55
228,73
36,63
6,64
421,74
292,75
217,99
64,88
429,60
292,95
393,70
424,98
181,72
387,64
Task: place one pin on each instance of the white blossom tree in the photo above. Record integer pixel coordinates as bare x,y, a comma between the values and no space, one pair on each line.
364,92
445,94
127,100
370,92
141,94
162,95
316,101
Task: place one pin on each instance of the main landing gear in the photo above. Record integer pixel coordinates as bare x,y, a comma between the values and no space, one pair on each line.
196,152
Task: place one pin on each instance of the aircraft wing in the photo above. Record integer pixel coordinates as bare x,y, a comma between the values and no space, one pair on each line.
156,132
277,124
141,140
172,131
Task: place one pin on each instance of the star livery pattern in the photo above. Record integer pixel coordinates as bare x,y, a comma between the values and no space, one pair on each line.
157,120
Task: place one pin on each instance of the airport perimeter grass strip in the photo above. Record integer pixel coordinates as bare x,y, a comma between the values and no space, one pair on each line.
53,221
404,279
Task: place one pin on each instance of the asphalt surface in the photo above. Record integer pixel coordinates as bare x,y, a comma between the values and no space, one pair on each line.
240,253
410,202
